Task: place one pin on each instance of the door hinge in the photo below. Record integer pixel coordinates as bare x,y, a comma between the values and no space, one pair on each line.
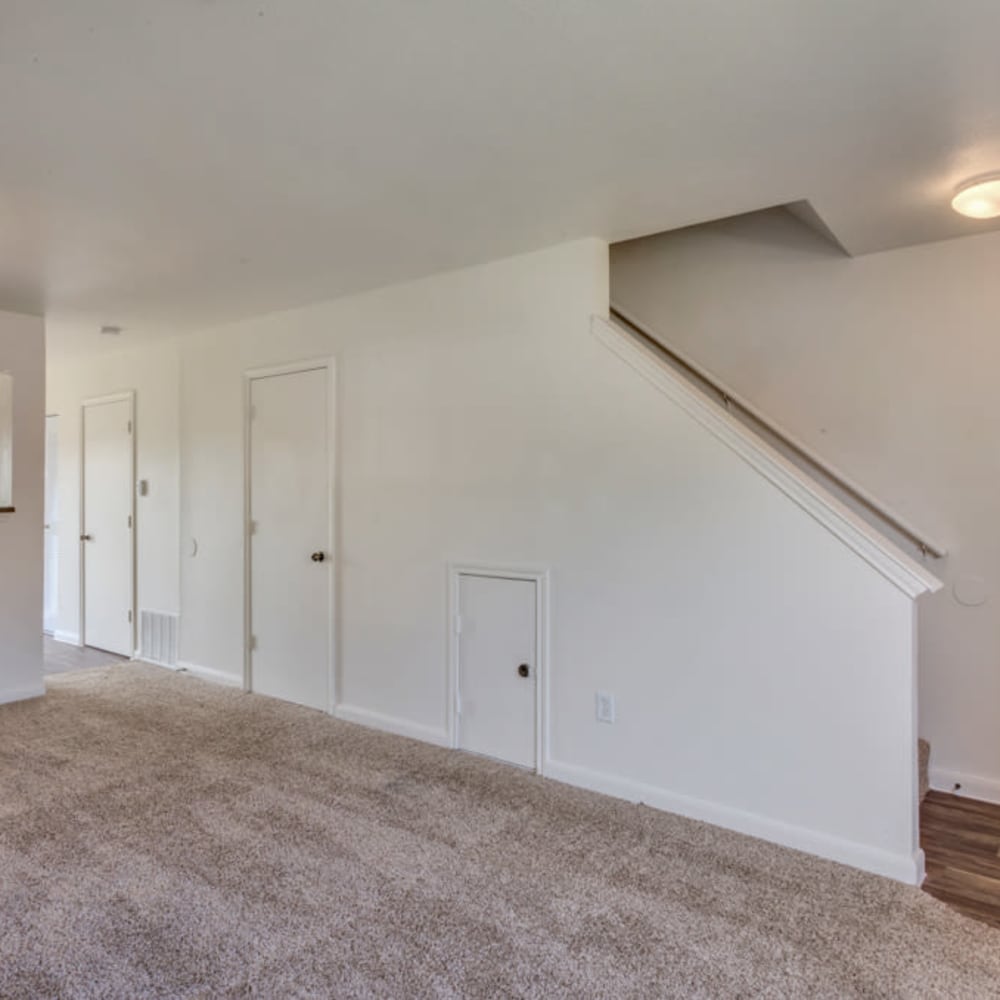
130,520
458,704
130,427
253,412
130,617
251,527
253,642
458,624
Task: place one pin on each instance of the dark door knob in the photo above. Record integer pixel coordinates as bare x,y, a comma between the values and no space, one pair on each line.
86,538
523,670
318,556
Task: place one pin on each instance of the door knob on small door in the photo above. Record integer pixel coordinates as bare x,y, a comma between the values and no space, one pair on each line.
523,670
86,538
318,557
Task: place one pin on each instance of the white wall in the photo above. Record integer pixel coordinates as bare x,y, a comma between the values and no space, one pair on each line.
22,353
763,671
885,365
153,372
452,420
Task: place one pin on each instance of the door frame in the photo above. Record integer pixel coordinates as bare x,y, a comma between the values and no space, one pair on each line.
126,396
540,577
49,524
327,364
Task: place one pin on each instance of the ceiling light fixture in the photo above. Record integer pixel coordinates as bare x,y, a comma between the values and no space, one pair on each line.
979,198
111,331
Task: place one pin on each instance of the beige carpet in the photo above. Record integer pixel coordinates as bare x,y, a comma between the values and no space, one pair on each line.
161,837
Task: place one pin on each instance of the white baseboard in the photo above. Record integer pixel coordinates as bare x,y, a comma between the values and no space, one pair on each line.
209,674
901,867
21,694
137,657
392,724
70,638
974,786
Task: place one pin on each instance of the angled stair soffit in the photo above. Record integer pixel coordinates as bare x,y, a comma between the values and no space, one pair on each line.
806,213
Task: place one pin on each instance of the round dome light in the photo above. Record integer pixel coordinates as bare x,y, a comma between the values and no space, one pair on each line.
979,199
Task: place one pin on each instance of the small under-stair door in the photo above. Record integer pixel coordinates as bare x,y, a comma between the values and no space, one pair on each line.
498,668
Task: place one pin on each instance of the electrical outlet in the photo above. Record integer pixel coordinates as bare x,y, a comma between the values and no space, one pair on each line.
605,706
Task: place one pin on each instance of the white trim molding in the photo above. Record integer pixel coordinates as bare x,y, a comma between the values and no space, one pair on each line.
67,638
920,539
901,867
392,724
22,694
208,674
897,567
973,786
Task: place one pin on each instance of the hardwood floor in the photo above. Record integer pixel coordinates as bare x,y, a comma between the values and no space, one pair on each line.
961,842
61,657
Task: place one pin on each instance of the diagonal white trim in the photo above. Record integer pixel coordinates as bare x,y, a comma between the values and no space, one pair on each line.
897,567
733,399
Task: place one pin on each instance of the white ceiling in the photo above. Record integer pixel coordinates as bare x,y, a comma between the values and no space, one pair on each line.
168,164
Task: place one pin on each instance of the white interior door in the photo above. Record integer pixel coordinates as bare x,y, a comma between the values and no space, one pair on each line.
51,603
106,538
291,562
497,668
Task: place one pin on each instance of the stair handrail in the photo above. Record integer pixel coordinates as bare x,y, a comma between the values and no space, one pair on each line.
731,400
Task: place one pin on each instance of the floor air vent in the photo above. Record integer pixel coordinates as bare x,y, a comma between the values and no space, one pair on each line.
158,638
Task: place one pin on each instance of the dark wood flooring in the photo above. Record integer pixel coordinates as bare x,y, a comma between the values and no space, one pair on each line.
961,842
60,657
